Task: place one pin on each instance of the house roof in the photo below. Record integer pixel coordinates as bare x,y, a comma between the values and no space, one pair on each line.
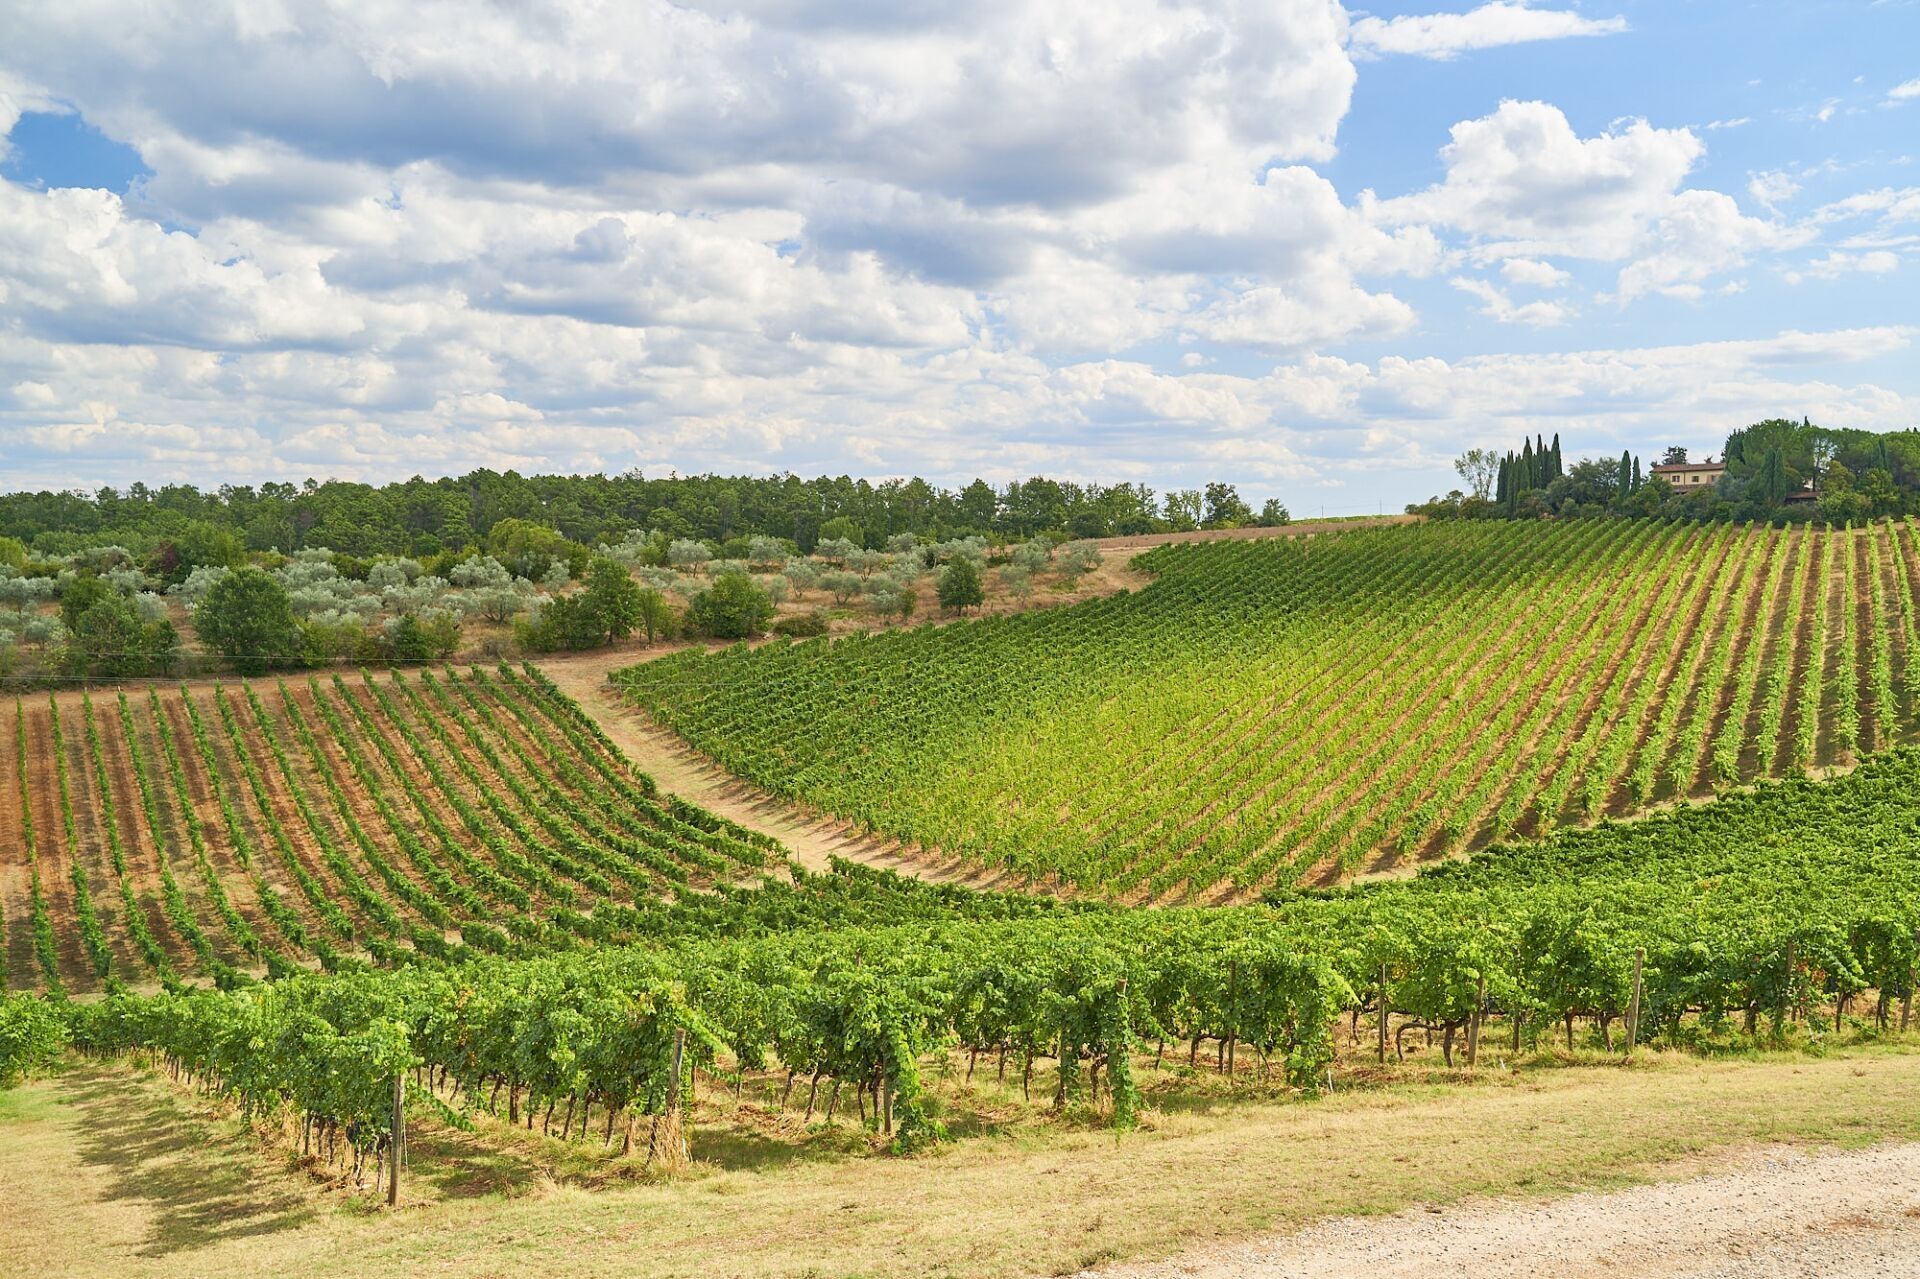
1667,467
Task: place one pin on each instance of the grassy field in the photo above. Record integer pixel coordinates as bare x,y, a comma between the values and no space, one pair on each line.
1277,711
109,1172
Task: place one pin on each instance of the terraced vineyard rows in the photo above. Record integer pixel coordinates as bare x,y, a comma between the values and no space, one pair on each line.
236,831
1276,712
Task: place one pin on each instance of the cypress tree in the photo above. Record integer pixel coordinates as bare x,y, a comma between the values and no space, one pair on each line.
1527,473
1637,479
1625,483
1773,477
1506,468
1558,469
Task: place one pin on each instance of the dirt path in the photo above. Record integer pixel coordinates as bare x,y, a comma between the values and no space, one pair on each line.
682,771
1778,1213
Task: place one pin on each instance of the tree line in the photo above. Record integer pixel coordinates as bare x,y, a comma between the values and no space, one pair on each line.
422,517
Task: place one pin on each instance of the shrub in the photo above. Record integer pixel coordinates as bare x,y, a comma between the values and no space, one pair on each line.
734,607
802,625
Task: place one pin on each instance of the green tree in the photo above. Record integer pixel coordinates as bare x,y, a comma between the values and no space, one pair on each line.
734,607
531,550
1479,468
1183,509
248,618
1878,488
842,527
198,544
111,639
612,598
80,595
562,623
1225,509
959,587
406,640
654,614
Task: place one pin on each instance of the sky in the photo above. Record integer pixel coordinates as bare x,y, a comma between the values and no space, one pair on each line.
1313,251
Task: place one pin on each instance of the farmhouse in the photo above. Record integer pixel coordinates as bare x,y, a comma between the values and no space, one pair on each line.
1689,475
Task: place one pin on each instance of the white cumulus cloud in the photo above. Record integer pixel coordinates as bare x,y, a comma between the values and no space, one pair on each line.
1534,274
1447,35
1495,304
1521,182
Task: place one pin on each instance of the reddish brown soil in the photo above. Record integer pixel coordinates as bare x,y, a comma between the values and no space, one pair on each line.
179,848
143,859
102,882
56,882
16,908
465,789
280,803
359,804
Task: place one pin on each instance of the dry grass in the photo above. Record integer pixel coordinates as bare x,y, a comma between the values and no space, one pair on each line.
107,1172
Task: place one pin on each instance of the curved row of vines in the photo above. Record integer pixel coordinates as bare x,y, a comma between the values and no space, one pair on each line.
169,837
1283,711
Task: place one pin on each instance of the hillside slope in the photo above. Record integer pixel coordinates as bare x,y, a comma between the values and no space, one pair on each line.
229,831
1277,711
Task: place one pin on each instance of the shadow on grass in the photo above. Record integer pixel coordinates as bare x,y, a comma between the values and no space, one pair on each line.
200,1176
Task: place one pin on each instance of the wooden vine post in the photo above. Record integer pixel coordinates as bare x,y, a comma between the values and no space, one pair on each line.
1633,1004
1473,1022
677,1133
1786,993
1383,1014
1233,1013
397,1144
1906,1000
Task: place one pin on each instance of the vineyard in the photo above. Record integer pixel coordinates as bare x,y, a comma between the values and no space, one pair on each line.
447,897
1279,712
1775,912
232,832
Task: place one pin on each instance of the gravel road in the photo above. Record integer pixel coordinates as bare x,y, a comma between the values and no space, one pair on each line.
1771,1215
